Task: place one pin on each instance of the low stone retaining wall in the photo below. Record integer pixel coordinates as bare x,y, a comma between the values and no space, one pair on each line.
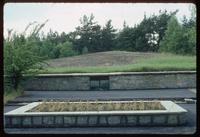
174,115
58,82
153,80
112,81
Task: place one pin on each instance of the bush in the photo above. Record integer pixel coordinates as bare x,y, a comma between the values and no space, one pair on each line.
19,58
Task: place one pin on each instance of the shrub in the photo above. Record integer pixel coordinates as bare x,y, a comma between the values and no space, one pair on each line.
19,58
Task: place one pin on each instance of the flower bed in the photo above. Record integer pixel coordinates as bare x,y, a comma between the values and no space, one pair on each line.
96,106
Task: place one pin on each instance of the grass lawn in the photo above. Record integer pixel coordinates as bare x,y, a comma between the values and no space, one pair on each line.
157,62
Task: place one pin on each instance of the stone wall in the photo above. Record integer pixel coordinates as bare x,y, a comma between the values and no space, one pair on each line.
95,120
60,83
153,81
116,81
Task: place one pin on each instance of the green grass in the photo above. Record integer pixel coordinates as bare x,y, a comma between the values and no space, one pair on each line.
159,62
11,94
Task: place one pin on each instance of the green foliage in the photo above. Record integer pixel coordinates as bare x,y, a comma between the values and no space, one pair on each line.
108,37
92,37
53,46
20,58
87,35
126,39
192,40
179,39
145,36
66,49
172,37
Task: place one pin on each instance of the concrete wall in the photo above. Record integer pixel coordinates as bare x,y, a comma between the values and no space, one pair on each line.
117,81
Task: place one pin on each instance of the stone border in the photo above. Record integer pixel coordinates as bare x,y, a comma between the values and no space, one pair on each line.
174,115
116,73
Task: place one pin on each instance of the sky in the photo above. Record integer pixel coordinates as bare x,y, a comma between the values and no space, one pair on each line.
65,17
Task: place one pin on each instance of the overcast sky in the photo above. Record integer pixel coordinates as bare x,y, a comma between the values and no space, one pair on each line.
65,16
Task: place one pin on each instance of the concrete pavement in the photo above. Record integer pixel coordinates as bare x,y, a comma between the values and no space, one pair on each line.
31,96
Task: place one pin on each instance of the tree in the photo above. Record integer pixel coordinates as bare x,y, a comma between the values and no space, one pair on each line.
192,40
189,27
49,45
188,23
180,38
173,40
66,49
126,39
143,31
151,31
161,24
108,37
145,36
19,59
87,35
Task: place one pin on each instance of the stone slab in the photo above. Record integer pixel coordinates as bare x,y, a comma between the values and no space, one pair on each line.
92,120
132,120
172,120
37,120
82,121
159,120
114,120
144,120
26,121
69,120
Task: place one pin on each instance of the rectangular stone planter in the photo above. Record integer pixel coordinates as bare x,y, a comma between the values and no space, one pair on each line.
173,115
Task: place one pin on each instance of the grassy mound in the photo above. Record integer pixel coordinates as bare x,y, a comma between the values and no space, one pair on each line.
121,61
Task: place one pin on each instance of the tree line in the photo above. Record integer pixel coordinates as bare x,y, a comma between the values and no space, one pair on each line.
157,33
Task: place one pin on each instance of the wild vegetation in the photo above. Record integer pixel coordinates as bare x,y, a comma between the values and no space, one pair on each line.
96,106
20,58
